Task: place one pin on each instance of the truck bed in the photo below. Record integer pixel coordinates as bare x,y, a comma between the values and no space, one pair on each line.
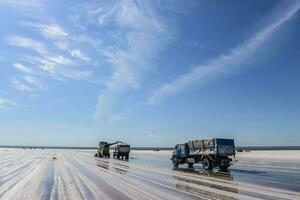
215,146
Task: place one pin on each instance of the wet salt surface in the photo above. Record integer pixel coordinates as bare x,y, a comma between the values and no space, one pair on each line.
76,174
258,167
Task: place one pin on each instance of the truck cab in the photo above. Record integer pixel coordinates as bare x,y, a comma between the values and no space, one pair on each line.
181,150
103,150
181,155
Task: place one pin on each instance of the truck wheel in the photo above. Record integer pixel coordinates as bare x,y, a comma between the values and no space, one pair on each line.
175,161
207,163
191,165
126,157
118,157
108,156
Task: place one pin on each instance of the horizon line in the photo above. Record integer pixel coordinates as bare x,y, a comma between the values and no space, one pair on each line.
254,147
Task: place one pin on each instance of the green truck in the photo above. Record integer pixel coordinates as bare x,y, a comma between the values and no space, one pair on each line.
103,149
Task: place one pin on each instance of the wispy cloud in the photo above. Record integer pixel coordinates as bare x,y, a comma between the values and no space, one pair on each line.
132,52
21,85
51,31
57,66
7,103
22,68
25,42
59,60
33,81
28,3
226,63
78,54
29,82
54,32
87,39
78,74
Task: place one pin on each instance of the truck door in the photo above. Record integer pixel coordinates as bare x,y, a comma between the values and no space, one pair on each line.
183,152
178,151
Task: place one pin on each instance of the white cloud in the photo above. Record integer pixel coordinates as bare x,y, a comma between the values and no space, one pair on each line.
63,45
23,68
54,32
58,67
47,65
102,18
132,53
29,82
51,31
78,54
77,74
59,60
87,39
226,63
33,81
47,61
27,3
7,103
25,42
21,85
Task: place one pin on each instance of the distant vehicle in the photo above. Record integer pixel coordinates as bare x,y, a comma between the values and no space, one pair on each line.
211,153
122,151
103,149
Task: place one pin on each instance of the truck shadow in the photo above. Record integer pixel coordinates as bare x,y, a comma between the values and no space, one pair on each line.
223,174
112,166
195,186
103,164
248,171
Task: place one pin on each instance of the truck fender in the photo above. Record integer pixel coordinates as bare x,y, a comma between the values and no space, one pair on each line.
206,156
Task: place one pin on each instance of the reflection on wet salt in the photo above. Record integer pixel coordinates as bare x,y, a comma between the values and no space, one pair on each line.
186,184
217,174
111,165
76,174
121,171
104,165
122,165
248,171
48,182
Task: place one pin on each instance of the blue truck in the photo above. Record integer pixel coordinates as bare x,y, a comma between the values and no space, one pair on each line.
212,153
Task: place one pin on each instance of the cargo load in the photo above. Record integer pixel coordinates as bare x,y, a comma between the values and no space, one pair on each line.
122,151
212,146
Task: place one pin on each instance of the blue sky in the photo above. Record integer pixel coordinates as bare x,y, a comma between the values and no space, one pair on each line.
151,73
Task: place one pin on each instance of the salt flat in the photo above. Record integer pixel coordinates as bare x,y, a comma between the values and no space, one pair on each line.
76,174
